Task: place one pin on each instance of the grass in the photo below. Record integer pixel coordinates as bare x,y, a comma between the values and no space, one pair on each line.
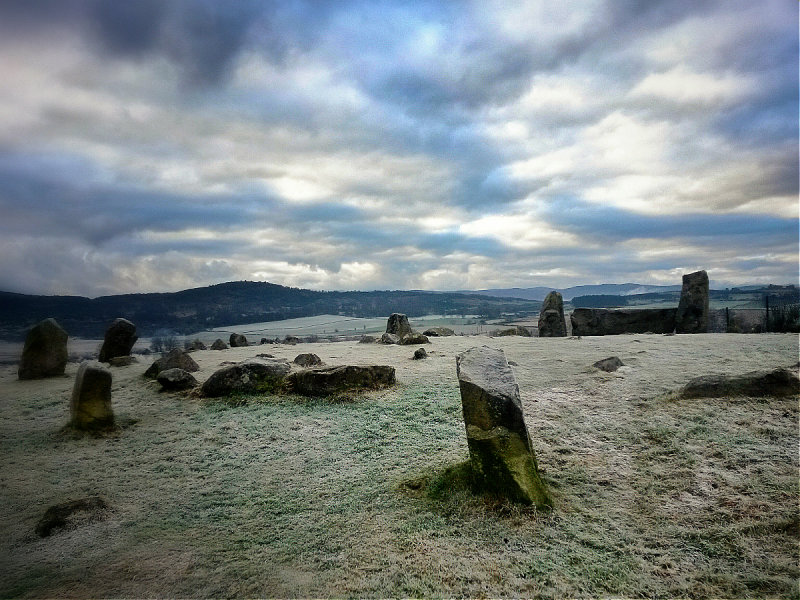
290,496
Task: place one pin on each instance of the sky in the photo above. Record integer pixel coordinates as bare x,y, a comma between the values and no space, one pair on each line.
160,145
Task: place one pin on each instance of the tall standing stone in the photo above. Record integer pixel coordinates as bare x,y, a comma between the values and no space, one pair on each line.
120,338
398,325
500,450
90,408
45,351
692,316
551,316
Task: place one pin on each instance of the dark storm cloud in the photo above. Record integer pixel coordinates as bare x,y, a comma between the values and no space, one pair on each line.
605,224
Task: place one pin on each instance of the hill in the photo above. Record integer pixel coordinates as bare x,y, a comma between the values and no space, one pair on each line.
235,303
539,293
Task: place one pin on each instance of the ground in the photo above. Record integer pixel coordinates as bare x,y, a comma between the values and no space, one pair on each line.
283,496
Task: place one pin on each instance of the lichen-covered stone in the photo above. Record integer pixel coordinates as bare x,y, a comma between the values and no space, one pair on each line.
398,325
45,351
329,381
692,315
238,340
90,407
119,339
248,377
174,359
551,316
500,450
174,380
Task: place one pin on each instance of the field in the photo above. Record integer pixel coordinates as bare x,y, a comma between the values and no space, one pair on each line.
285,496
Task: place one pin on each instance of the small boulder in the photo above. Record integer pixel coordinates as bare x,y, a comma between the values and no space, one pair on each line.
238,340
779,383
119,339
413,338
196,345
389,338
438,332
72,514
551,316
398,324
219,345
174,359
329,381
367,339
173,380
420,353
90,407
609,365
263,341
501,455
307,360
247,377
45,351
122,361
505,332
291,340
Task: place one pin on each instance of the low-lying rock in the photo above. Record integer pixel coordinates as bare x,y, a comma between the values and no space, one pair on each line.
291,340
173,380
196,345
174,359
420,353
413,338
122,361
45,351
779,382
238,340
603,321
119,339
329,381
609,365
247,377
390,338
516,330
501,454
219,345
438,332
72,514
367,339
90,407
307,360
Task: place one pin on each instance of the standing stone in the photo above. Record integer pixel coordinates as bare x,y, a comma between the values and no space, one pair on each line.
120,338
238,340
692,316
551,316
500,450
90,408
45,351
398,325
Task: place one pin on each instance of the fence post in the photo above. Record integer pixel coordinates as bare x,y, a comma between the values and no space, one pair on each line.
727,320
766,324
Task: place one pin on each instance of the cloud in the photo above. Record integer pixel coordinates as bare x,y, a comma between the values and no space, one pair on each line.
389,145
